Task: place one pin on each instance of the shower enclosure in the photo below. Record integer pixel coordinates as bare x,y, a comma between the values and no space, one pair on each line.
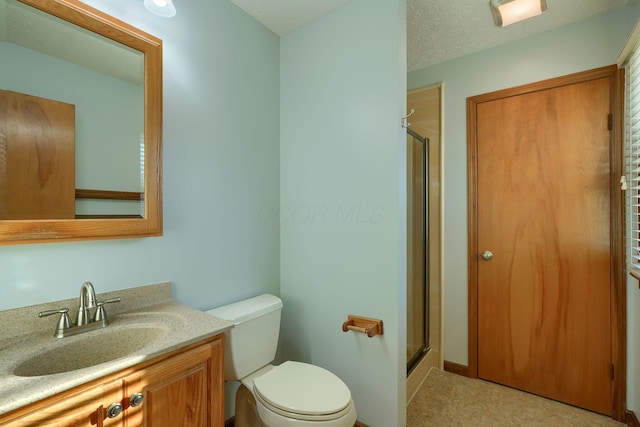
417,248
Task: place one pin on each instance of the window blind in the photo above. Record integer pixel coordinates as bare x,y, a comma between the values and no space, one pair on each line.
632,158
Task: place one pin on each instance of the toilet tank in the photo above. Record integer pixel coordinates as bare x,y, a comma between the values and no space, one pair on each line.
251,344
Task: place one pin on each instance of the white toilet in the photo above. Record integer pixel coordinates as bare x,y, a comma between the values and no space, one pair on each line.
289,395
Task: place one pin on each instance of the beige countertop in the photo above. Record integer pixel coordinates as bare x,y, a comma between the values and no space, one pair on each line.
145,324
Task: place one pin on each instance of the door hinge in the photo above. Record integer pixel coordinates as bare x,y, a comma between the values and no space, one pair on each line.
612,372
610,121
623,183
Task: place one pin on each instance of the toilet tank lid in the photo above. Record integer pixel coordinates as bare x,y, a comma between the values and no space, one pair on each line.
241,311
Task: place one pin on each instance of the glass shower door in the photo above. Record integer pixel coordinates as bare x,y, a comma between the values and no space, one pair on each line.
417,253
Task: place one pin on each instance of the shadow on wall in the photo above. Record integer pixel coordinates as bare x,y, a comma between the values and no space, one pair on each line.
294,344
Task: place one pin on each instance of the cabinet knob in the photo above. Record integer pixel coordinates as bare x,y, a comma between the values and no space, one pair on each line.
114,410
136,399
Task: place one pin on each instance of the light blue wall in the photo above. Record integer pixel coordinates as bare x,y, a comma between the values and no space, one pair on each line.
582,46
221,161
343,91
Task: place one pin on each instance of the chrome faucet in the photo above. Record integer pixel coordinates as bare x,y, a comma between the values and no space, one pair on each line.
87,301
85,320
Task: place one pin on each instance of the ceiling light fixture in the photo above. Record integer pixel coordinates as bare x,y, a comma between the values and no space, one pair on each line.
506,12
164,8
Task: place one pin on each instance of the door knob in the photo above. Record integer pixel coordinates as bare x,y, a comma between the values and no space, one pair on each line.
487,255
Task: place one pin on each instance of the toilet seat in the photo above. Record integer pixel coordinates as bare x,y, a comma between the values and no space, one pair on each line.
304,392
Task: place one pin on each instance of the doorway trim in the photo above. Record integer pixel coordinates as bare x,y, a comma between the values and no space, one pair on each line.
618,285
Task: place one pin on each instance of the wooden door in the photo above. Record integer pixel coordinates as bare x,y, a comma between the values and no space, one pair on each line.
543,224
37,157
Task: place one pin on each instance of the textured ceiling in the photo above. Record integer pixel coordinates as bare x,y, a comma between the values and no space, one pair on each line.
438,30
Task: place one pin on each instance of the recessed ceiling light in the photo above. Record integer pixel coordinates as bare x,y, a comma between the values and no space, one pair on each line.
164,8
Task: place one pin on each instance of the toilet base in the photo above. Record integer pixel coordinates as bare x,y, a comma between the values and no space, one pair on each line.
246,412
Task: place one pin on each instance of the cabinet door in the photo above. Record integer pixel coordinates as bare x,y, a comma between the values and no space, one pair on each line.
186,390
81,409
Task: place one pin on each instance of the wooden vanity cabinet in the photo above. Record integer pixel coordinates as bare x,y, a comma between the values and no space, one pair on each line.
184,388
72,408
187,390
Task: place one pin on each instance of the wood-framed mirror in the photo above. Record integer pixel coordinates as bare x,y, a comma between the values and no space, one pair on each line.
80,125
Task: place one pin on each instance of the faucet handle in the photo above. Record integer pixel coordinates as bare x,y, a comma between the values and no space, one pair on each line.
101,314
63,323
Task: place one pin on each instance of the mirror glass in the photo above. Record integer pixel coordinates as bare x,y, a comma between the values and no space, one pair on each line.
54,62
80,119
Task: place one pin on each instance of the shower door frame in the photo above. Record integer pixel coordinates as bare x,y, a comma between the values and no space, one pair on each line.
414,360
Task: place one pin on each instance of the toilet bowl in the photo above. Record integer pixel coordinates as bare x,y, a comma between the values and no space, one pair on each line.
299,394
291,394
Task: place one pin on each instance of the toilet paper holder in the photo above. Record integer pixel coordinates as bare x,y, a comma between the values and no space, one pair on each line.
366,325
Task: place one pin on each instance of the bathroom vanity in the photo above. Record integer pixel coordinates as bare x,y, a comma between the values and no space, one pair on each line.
184,387
158,363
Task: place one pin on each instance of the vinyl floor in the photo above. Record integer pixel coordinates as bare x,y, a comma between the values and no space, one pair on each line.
446,399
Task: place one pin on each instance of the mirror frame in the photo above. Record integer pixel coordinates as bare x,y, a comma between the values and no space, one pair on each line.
40,231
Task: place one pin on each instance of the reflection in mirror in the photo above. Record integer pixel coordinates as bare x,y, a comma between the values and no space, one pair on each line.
80,124
49,59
